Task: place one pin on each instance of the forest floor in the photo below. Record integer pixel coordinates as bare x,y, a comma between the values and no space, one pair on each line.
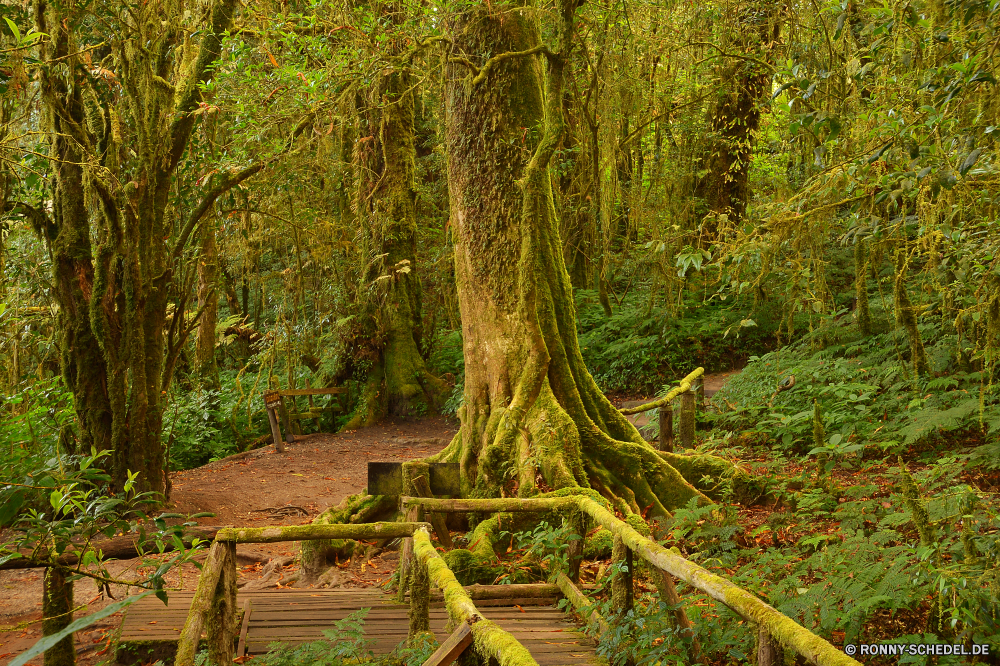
315,472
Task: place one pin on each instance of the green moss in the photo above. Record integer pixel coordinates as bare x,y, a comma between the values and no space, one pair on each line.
598,546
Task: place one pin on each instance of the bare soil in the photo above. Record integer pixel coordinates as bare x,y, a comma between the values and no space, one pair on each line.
315,472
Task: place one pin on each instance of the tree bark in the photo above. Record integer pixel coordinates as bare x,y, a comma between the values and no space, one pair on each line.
533,418
57,614
745,84
208,304
398,383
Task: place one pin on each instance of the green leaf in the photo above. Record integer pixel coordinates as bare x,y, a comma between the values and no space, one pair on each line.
970,161
13,29
50,641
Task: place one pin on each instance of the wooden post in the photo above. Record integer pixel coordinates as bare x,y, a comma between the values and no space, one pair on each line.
423,487
420,593
668,594
622,587
416,512
666,414
271,400
201,605
687,419
241,647
221,620
701,393
769,651
452,648
578,520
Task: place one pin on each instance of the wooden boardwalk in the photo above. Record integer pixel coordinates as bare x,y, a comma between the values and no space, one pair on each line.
300,616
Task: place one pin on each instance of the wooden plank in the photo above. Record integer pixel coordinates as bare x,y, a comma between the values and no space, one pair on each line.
241,646
453,647
301,616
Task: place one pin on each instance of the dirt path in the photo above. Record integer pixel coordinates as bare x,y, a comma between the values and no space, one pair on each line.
315,472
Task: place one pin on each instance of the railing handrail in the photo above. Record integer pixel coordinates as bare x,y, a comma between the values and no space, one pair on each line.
683,387
489,638
791,634
276,533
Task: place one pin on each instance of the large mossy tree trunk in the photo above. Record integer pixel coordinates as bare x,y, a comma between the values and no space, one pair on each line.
117,135
398,382
533,418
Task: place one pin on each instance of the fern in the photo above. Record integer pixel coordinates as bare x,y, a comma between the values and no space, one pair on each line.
927,421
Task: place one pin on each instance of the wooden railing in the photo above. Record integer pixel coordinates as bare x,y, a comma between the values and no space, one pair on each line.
774,630
689,388
213,608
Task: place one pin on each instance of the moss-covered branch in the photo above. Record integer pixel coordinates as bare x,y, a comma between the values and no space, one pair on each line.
683,387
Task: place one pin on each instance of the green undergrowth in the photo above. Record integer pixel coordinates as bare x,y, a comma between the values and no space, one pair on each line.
639,348
868,395
844,561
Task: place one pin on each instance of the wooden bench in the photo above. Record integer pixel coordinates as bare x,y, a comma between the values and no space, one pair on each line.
274,401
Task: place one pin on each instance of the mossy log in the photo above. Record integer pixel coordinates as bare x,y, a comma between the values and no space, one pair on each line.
683,387
308,532
122,547
789,633
489,640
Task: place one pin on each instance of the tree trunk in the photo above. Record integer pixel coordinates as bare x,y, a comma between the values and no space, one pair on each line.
208,304
399,383
115,168
533,418
745,84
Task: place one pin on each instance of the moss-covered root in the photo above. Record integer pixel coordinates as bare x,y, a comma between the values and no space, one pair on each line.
715,476
489,640
319,555
477,563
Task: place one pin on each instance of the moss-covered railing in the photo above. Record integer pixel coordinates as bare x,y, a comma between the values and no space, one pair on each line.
491,642
686,389
774,629
213,608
